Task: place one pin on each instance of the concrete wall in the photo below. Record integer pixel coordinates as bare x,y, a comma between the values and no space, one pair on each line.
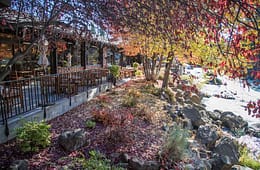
59,108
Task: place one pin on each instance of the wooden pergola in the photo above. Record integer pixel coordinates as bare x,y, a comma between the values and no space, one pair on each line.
13,43
5,3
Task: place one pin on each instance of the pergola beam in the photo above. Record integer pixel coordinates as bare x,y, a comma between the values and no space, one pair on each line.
5,3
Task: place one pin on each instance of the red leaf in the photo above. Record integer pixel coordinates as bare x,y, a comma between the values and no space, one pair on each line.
3,21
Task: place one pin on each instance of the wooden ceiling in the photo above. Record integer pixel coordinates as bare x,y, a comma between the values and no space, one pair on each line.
5,3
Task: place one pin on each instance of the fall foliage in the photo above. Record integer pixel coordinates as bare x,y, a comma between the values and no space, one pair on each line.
199,31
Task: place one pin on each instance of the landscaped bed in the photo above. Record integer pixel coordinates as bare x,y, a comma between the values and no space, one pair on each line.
134,126
141,136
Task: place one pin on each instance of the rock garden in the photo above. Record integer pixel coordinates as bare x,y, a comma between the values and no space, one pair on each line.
134,126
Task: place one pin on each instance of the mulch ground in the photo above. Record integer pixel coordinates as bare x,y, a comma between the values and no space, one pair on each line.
142,138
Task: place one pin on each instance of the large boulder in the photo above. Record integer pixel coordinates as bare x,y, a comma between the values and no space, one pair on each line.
72,140
180,100
19,165
186,123
239,167
254,130
215,115
207,134
179,93
220,162
195,98
203,164
232,121
200,107
139,164
197,118
227,154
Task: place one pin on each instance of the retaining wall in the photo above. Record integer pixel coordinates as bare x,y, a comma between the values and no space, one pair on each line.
52,111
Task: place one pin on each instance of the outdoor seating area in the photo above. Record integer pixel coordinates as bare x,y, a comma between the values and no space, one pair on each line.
11,97
25,94
126,72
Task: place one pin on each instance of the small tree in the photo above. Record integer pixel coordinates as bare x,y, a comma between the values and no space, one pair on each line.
115,72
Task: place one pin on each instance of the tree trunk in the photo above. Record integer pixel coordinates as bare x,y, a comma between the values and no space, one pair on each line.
158,68
150,65
7,69
167,71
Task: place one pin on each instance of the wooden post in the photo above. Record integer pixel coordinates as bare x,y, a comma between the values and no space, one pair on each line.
83,55
104,64
121,61
100,57
5,3
54,62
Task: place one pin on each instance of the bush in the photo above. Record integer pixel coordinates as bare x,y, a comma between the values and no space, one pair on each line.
129,101
138,73
135,65
33,135
90,124
97,161
103,100
145,113
117,122
151,89
131,98
114,70
113,117
176,145
246,160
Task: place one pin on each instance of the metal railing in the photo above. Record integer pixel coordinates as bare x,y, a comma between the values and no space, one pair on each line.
21,96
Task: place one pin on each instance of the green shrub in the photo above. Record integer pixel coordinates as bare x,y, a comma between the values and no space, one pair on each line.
246,160
114,70
160,77
135,65
129,101
175,145
149,88
131,98
90,124
34,135
97,161
138,73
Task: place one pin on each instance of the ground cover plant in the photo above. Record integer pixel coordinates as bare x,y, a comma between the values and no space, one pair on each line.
246,160
33,135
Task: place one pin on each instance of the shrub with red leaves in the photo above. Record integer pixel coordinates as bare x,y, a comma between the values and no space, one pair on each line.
104,98
113,117
253,108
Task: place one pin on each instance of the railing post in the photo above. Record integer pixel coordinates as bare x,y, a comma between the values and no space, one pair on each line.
87,72
4,115
28,94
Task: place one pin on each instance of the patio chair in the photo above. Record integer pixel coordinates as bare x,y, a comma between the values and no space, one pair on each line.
67,85
12,97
